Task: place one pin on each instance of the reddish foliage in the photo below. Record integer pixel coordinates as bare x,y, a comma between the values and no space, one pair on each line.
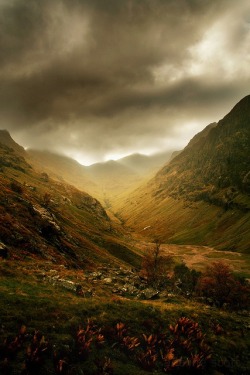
220,285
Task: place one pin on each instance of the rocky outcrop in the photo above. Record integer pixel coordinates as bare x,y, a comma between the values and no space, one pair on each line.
72,286
120,281
49,225
92,205
123,282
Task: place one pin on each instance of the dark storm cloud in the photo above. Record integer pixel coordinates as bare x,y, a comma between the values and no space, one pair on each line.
109,76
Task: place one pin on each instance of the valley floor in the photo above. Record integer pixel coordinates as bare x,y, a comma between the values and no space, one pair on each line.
198,257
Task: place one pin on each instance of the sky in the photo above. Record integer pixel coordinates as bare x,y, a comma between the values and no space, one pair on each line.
101,79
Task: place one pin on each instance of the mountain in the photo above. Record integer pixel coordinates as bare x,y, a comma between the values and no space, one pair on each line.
145,165
202,195
106,181
201,135
6,139
112,178
122,176
48,219
64,169
215,165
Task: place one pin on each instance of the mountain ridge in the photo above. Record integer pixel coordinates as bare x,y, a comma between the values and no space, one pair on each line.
208,183
104,180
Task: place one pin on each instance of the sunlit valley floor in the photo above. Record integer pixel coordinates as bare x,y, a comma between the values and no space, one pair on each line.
124,270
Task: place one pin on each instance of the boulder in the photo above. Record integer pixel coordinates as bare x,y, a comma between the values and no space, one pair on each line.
130,289
69,285
149,293
107,280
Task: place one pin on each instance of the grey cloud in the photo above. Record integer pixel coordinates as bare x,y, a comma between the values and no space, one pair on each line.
88,68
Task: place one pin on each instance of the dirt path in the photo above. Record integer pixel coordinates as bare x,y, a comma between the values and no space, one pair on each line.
198,257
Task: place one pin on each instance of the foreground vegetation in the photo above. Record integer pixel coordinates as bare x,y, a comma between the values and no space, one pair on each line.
69,334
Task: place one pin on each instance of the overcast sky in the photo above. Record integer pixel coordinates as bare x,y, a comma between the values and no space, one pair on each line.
99,79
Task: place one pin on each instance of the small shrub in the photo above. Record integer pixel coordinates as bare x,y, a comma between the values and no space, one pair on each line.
219,284
185,279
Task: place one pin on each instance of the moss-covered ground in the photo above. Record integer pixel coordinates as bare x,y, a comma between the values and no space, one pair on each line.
26,298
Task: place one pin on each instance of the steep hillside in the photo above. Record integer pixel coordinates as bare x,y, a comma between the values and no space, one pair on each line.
202,195
43,218
215,166
64,169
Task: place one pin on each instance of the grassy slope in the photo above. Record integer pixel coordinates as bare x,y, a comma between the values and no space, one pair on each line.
183,222
27,299
202,195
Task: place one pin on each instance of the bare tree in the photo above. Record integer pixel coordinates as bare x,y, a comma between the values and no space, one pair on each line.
155,266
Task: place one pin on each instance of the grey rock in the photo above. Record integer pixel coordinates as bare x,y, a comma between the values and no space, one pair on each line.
149,293
69,285
47,216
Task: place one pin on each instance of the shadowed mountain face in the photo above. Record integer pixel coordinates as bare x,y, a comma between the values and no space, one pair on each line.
215,166
41,217
208,184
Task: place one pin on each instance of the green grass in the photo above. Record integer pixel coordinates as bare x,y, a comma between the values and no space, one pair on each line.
26,299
